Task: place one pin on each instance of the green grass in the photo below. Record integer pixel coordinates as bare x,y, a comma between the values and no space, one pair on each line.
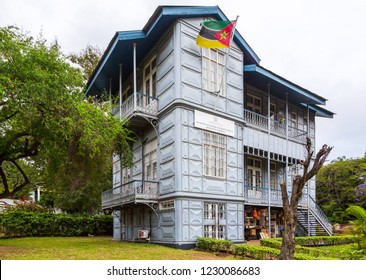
94,248
104,248
343,252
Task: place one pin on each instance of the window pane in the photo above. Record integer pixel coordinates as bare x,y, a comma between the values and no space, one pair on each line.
213,70
214,149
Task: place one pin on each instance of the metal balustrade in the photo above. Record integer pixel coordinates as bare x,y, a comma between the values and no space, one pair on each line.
136,190
277,127
260,196
145,104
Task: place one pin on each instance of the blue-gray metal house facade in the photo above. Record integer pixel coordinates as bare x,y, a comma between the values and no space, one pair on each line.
216,134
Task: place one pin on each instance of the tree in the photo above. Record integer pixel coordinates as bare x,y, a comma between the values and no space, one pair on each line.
88,59
34,82
360,192
290,203
49,126
339,185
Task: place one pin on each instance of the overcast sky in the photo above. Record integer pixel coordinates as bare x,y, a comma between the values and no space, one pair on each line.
317,44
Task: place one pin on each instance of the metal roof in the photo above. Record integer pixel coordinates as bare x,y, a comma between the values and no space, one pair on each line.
120,49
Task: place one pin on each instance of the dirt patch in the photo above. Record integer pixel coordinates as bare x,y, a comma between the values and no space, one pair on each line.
9,251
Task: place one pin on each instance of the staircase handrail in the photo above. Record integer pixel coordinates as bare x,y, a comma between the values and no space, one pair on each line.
320,215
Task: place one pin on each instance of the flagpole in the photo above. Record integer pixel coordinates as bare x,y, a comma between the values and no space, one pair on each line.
226,60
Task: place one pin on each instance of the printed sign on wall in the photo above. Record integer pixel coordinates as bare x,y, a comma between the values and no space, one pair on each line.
213,123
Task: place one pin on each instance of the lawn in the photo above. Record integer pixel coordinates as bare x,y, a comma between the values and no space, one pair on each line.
94,248
104,248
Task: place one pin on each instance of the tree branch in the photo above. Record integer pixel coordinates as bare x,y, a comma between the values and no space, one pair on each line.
319,161
17,187
5,181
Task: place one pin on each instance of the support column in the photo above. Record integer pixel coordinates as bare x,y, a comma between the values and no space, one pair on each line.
269,159
134,78
110,91
120,90
307,183
287,121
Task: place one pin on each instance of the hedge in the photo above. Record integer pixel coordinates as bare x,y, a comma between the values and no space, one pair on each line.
23,223
256,252
213,245
270,247
325,240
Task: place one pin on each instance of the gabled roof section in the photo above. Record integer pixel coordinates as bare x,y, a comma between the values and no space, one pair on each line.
120,49
259,77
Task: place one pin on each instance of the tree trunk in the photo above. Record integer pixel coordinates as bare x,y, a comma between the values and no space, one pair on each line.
290,203
288,238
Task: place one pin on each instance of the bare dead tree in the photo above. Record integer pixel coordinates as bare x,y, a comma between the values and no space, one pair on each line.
311,167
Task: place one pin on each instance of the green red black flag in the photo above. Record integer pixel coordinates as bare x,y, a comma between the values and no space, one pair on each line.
216,33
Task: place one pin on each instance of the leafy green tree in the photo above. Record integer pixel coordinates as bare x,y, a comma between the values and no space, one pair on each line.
35,82
88,59
338,186
360,192
47,125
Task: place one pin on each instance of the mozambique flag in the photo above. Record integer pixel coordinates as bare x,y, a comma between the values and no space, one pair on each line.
215,33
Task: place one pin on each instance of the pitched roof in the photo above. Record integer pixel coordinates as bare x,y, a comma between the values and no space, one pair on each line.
120,49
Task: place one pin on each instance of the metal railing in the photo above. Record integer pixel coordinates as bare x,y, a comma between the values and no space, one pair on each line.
277,127
136,190
260,196
320,216
145,104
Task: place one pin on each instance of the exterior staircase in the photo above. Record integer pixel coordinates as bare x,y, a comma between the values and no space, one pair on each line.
313,221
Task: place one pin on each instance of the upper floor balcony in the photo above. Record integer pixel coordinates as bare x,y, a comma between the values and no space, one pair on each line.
277,127
137,104
132,192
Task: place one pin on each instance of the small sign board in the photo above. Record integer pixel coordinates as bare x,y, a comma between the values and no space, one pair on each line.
213,123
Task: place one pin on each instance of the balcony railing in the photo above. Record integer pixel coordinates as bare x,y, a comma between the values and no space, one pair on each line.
277,127
134,191
145,104
262,196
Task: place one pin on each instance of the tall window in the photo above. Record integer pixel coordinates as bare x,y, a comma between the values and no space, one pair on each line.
150,80
272,109
215,220
126,175
150,158
214,155
213,70
254,103
293,119
273,175
254,176
214,211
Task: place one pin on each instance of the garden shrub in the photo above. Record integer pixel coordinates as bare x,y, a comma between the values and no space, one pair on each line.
213,244
19,223
325,240
257,252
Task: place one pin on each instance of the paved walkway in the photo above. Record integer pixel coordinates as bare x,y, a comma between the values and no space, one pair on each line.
254,242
